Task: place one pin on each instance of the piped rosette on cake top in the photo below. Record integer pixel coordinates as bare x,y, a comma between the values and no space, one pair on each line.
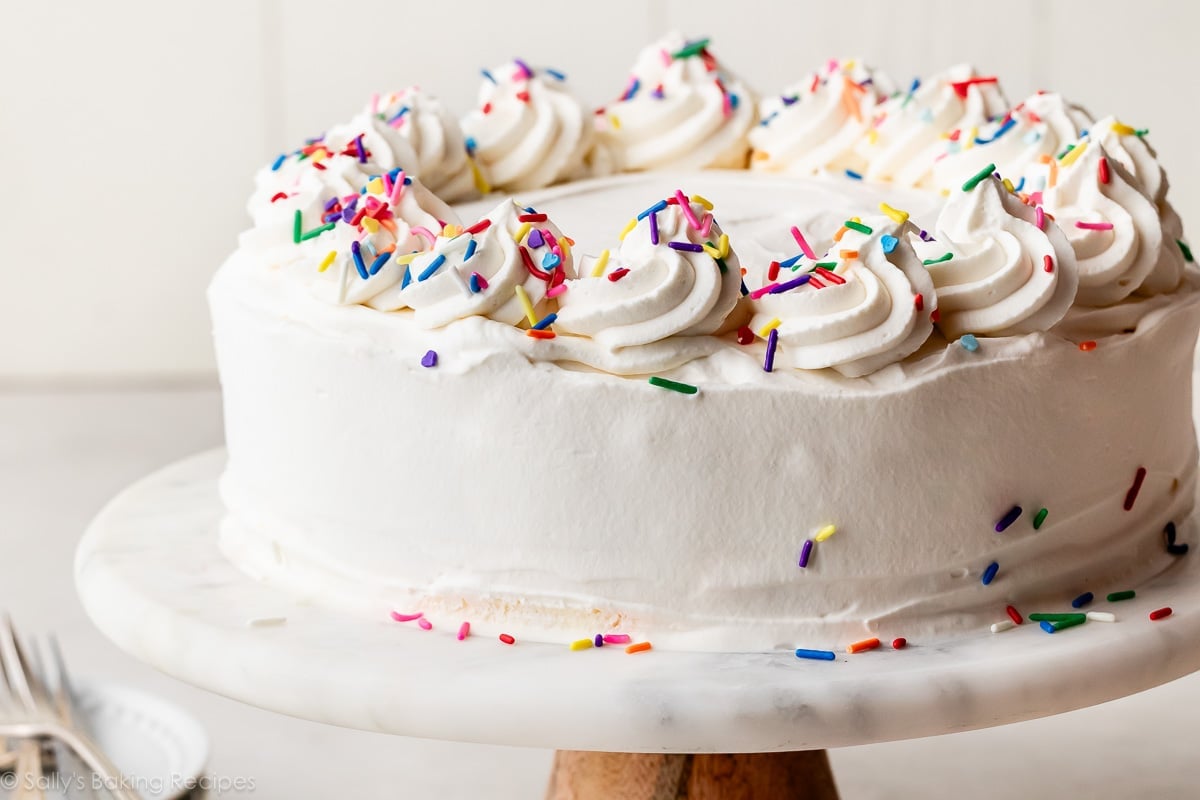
679,110
529,130
909,130
816,124
1000,267
436,139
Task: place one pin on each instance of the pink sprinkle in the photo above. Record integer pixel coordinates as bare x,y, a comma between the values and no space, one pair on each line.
757,293
686,208
425,234
555,291
375,103
617,638
804,246
726,104
397,189
396,615
666,57
482,281
706,226
425,624
464,631
1094,226
1040,218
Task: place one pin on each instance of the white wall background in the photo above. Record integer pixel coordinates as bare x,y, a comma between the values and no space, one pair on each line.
129,131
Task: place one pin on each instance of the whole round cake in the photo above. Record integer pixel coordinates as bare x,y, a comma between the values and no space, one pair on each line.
857,361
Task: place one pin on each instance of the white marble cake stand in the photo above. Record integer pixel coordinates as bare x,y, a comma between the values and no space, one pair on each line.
151,577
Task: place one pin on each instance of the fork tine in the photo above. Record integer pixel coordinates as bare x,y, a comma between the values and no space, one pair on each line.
61,690
10,661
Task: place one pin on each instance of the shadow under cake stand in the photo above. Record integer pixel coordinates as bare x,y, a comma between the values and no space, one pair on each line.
657,724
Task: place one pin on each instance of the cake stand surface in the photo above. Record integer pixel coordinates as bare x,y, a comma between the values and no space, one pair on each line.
151,576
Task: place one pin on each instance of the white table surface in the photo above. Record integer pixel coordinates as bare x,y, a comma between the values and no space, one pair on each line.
64,453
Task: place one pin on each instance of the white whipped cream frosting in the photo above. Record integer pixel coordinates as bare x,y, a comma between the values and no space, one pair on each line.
437,141
680,110
817,123
528,129
659,291
873,307
996,272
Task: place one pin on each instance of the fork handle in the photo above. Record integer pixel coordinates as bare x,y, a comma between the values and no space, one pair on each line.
93,757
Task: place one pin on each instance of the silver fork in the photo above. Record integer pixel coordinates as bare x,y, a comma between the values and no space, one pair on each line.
27,711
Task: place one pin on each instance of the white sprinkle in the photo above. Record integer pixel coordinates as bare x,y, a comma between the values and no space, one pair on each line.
1002,625
266,622
1101,616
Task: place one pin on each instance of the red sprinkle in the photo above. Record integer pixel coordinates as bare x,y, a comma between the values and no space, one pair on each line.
1102,169
918,302
504,637
279,196
899,643
832,277
772,270
617,274
1087,346
745,335
961,87
936,315
480,226
523,97
1014,615
816,284
533,270
318,165
536,334
1048,260
1132,494
1160,613
531,218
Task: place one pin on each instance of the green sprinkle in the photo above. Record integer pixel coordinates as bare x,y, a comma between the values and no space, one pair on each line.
692,49
1077,619
296,225
1063,154
315,232
858,226
1039,616
1140,132
721,265
978,177
938,260
674,386
824,265
1039,518
1128,594
1187,251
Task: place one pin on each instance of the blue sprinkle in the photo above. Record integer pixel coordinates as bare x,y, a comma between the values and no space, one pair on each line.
550,261
969,342
474,283
916,84
407,277
437,262
370,247
1020,185
1003,129
407,180
378,263
989,574
470,251
855,175
429,359
654,209
545,322
733,101
553,73
470,142
535,239
889,243
356,251
1047,626
487,75
1083,600
404,110
789,263
816,655
278,162
632,90
744,290
767,120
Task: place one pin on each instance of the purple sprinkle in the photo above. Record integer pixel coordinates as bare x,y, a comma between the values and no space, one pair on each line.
362,151
1008,519
654,228
787,286
925,237
332,202
806,550
524,67
535,239
429,359
599,640
687,247
772,343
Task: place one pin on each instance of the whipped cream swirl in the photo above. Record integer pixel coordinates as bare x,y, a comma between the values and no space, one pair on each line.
436,138
866,305
996,272
674,275
529,131
909,129
680,110
1114,228
816,124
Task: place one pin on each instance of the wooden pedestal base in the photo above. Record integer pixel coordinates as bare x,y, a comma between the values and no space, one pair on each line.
637,776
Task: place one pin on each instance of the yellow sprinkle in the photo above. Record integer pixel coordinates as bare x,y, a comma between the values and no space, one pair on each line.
629,227
723,245
849,65
765,330
581,644
712,252
708,206
522,232
1072,156
616,123
407,258
896,214
601,263
370,224
375,186
325,262
872,136
945,192
481,184
523,296
971,138
825,533
565,246
1121,129
1009,185
450,231
319,155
